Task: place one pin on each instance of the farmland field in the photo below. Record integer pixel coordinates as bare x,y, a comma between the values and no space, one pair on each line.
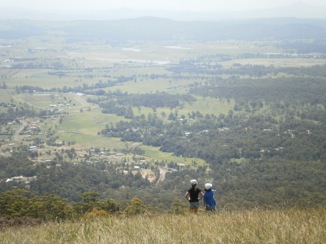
94,63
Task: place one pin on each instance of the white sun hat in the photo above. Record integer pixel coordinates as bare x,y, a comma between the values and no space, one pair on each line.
208,186
193,182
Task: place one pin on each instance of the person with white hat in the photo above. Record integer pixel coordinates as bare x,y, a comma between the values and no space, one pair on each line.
209,201
194,195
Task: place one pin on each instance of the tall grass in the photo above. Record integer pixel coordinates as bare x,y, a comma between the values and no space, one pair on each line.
255,226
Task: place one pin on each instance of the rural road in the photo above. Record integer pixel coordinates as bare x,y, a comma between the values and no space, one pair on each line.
16,135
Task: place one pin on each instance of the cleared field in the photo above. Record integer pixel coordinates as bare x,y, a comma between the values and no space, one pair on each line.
41,101
155,153
203,105
152,86
6,95
208,106
84,141
88,122
63,101
46,81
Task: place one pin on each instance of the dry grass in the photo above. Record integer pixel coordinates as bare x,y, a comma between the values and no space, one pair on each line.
257,226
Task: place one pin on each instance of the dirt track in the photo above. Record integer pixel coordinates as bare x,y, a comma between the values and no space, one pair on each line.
162,176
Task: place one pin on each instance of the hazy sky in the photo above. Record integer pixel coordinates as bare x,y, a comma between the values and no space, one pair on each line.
186,5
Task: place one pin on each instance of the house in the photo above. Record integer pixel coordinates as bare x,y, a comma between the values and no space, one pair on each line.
33,148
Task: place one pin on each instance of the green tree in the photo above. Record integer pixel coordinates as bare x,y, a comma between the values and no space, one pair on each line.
51,207
15,203
136,207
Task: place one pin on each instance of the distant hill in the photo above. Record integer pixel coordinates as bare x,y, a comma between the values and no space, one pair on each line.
159,29
298,9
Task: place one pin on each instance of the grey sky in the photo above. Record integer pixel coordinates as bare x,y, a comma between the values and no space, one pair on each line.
186,5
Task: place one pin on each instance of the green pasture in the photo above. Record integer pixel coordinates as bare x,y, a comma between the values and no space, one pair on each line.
208,105
153,85
141,86
87,122
84,141
155,153
40,101
205,106
6,95
44,80
44,100
41,78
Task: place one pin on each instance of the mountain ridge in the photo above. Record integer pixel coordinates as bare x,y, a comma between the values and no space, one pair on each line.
161,29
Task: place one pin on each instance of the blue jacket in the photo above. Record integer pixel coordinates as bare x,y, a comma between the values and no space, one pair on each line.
209,198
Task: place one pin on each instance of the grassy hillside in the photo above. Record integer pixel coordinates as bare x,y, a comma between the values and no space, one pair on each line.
257,226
